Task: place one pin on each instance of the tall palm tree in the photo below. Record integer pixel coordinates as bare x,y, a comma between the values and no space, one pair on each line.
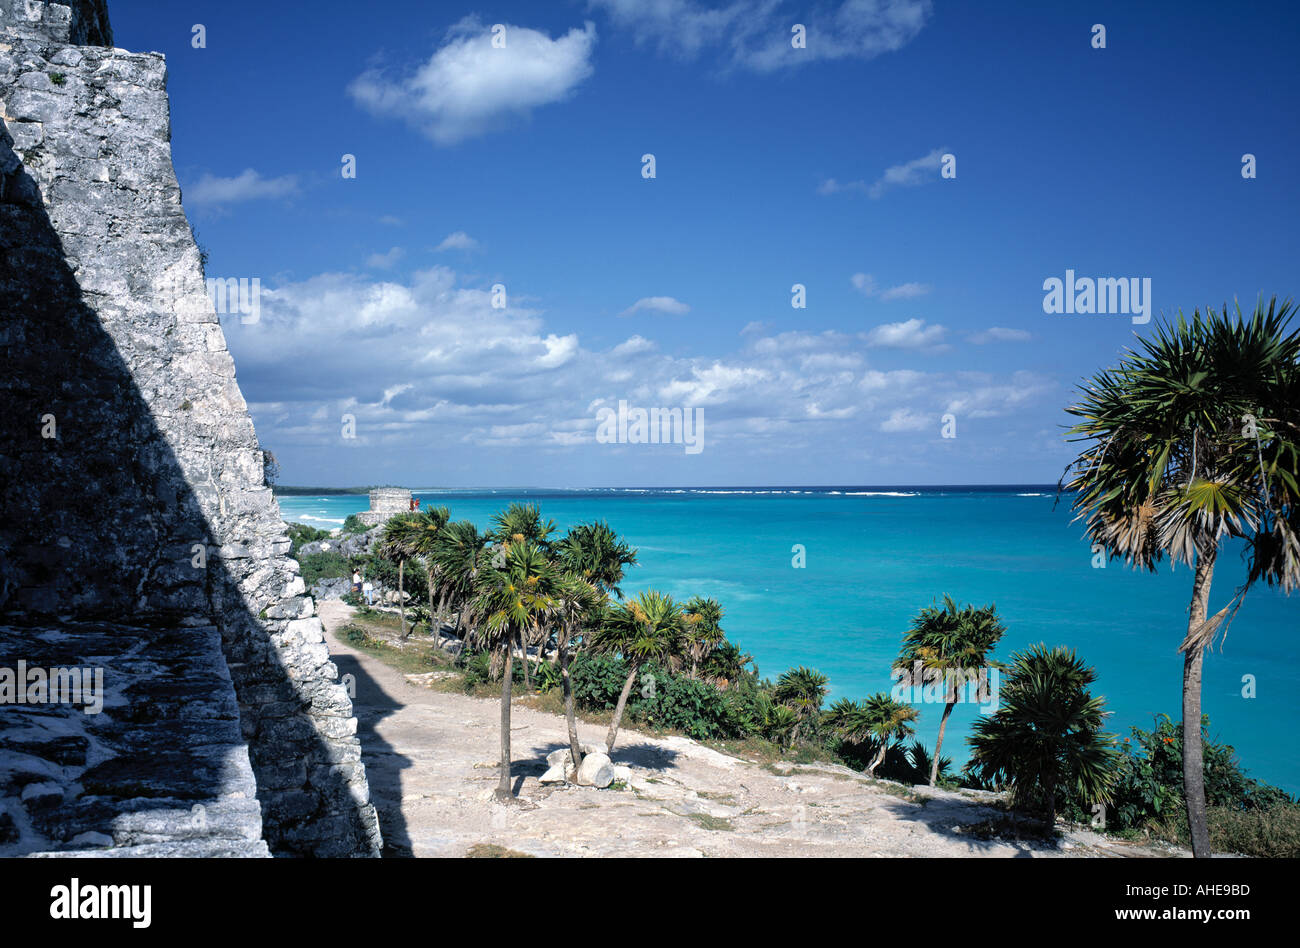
398,543
646,629
594,559
878,720
597,554
580,606
456,556
426,525
508,603
951,641
1046,732
1193,439
802,690
703,630
523,523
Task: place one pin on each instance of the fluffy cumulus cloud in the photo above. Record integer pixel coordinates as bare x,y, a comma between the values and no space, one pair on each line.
909,334
426,365
249,185
470,87
756,34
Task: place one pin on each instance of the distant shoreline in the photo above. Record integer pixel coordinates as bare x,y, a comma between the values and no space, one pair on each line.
290,491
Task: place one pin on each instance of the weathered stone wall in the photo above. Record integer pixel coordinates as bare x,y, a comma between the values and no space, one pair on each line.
149,501
384,503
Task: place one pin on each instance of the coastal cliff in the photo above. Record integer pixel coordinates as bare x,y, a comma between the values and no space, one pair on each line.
137,534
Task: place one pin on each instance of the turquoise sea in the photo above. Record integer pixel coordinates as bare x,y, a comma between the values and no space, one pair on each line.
875,555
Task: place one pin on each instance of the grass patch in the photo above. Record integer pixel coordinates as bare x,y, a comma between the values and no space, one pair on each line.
708,822
493,851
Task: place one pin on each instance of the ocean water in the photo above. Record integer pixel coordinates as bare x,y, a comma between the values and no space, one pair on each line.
875,556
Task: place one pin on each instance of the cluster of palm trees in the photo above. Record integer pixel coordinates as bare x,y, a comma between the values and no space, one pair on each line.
520,592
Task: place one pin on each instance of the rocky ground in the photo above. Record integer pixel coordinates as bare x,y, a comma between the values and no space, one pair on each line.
431,759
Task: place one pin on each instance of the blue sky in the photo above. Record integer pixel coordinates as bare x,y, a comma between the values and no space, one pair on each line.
774,166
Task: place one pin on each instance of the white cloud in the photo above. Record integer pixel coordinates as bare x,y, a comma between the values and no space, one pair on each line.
905,291
385,261
903,419
866,284
428,360
658,304
633,345
249,185
756,34
458,241
909,334
469,88
999,334
909,174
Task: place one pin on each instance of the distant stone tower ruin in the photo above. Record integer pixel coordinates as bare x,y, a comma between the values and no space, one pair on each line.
384,503
137,535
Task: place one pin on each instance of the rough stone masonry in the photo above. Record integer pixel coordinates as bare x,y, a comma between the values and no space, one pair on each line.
137,533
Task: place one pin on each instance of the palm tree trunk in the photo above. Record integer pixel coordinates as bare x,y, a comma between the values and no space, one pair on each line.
507,679
523,648
879,759
575,749
1193,752
434,625
401,594
938,744
618,711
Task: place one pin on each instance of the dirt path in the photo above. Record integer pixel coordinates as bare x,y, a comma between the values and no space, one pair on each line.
431,761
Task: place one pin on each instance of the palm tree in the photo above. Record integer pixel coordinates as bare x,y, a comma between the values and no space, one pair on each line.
594,559
579,606
878,720
646,629
508,603
802,690
456,556
398,543
1193,439
522,523
597,554
703,630
780,722
727,665
1046,733
953,642
426,525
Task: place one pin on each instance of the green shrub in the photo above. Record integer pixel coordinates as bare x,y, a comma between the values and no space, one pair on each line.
694,708
300,533
353,524
597,681
1148,787
318,566
355,634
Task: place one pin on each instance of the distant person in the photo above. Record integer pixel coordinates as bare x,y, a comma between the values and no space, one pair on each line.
415,505
356,581
369,590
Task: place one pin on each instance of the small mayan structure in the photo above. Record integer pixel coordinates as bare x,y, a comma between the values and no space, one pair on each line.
384,503
141,551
